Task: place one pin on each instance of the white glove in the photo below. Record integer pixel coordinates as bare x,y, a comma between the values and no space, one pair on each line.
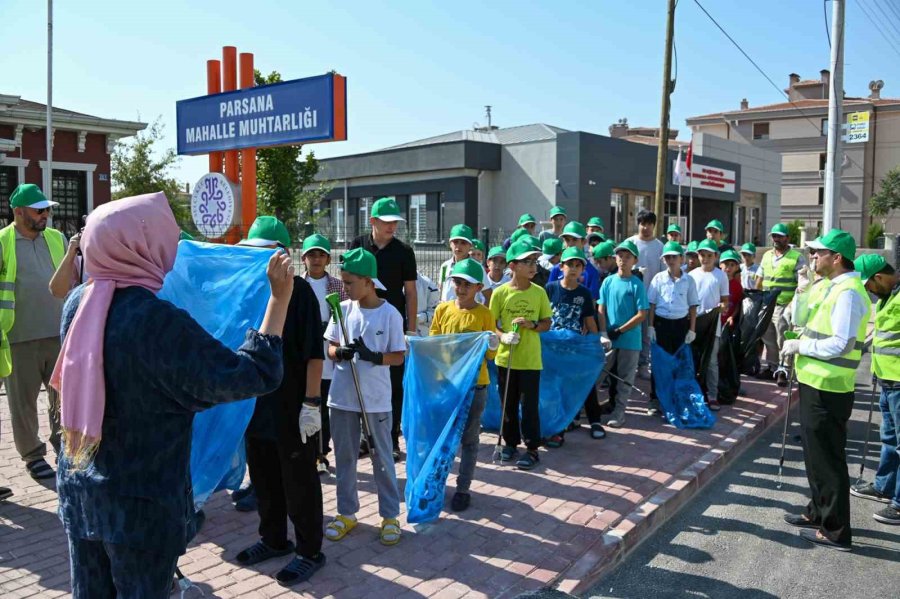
605,341
790,347
421,318
509,338
310,422
493,342
651,333
689,337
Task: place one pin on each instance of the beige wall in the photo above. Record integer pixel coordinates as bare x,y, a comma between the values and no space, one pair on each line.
794,128
718,129
800,196
799,161
887,156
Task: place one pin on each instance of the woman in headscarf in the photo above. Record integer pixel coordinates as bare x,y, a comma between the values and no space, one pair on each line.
132,373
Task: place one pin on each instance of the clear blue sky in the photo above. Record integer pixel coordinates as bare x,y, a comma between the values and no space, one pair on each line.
421,68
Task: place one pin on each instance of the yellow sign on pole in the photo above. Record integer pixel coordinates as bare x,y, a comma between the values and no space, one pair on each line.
857,127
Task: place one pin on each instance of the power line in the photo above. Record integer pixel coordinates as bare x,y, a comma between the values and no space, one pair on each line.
825,13
894,9
887,18
877,26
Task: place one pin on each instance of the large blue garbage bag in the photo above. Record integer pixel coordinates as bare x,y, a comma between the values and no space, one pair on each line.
572,363
225,289
679,394
438,386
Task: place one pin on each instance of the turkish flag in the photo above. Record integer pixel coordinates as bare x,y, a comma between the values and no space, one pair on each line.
690,156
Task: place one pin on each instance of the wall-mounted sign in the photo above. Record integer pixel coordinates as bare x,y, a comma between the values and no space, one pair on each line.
857,128
301,111
706,177
213,205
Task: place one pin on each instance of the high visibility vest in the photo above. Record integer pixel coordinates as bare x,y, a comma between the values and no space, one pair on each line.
837,374
886,343
57,247
782,275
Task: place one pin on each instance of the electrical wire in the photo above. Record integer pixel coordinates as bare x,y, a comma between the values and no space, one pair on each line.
877,26
827,29
894,9
887,20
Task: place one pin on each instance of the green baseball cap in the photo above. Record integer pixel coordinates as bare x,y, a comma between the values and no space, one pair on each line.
691,248
673,228
527,218
534,241
316,242
520,250
462,232
267,230
29,195
628,246
495,251
715,224
552,247
605,249
595,221
574,229
748,248
779,229
468,270
869,265
573,253
477,244
673,248
386,209
838,241
557,210
730,255
708,245
185,236
517,235
362,263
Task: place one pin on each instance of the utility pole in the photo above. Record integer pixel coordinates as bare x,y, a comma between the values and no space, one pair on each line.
832,196
667,89
48,185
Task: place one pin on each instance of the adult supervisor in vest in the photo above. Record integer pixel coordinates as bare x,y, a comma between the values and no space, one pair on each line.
31,254
882,280
397,272
779,269
828,353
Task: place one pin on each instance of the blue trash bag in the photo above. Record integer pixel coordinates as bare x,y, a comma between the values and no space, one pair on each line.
572,363
438,386
679,394
225,289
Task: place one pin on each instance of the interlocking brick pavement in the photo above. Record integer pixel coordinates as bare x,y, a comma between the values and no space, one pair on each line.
586,505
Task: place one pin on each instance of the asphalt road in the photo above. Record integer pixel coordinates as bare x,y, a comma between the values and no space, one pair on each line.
731,542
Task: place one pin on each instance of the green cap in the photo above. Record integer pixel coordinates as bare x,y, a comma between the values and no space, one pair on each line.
573,253
267,230
595,221
461,232
779,229
730,255
517,235
468,270
386,209
362,263
29,195
552,247
316,242
708,245
495,251
574,229
691,248
628,246
527,218
673,228
477,244
838,241
673,248
520,250
184,235
596,235
534,241
748,248
869,265
715,224
557,210
605,249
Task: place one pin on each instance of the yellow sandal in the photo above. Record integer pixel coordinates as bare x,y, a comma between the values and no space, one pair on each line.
390,531
338,528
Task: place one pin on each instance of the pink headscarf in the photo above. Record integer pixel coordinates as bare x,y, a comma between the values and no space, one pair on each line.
126,243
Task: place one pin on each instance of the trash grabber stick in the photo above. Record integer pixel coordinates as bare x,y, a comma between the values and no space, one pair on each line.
496,456
862,463
621,380
334,302
787,409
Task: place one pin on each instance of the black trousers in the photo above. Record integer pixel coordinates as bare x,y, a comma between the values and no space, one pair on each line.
670,337
325,434
287,486
396,402
592,408
823,420
524,389
702,348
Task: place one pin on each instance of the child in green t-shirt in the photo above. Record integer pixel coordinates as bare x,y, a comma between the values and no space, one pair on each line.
521,310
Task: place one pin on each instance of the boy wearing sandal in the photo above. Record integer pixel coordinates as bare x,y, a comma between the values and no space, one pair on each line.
376,342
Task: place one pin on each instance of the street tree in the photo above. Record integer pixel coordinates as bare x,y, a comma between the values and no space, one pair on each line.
888,197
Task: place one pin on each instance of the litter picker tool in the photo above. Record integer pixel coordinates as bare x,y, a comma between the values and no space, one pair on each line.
862,463
787,409
334,302
621,380
496,456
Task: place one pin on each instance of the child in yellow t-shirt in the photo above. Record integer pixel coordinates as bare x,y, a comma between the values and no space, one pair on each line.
464,315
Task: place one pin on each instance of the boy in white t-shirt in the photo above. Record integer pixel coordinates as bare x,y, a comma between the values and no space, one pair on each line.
713,292
376,342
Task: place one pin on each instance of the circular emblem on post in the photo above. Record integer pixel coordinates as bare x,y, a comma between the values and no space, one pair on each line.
212,205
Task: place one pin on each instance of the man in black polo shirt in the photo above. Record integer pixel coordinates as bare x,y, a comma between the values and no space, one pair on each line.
397,272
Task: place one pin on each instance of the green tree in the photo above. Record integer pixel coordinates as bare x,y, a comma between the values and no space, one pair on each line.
888,197
794,231
138,167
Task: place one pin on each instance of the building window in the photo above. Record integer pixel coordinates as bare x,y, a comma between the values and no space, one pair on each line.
364,205
617,202
760,130
8,181
452,213
338,220
824,131
821,196
70,190
823,160
418,218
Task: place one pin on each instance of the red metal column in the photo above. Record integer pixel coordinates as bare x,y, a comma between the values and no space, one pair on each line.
248,156
214,86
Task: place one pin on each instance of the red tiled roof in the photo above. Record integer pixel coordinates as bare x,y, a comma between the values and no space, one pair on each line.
823,103
29,105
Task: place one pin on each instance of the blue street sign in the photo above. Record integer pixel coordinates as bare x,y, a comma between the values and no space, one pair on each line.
307,110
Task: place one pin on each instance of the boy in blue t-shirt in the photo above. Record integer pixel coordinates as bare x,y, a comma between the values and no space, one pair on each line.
623,307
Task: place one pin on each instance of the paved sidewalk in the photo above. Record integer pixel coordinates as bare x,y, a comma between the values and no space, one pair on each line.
562,525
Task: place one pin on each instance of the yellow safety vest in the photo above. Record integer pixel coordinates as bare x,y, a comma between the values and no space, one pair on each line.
57,247
837,374
886,343
782,275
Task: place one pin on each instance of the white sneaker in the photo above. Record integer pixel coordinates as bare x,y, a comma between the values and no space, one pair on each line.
322,466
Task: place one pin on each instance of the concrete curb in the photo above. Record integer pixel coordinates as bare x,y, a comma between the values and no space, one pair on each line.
631,530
